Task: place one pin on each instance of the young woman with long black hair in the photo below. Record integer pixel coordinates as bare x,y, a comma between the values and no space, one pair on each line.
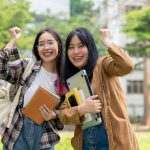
115,132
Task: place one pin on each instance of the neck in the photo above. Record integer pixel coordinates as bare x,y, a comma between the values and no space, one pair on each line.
50,67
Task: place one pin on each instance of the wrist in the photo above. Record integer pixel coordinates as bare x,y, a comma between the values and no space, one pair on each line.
57,113
81,110
107,43
13,42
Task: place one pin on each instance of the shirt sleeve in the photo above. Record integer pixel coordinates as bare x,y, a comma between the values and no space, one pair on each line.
118,62
11,65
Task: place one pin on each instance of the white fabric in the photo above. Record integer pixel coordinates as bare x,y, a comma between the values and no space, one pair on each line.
5,104
42,78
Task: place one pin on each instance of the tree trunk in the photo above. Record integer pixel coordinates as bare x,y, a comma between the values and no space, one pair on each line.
147,91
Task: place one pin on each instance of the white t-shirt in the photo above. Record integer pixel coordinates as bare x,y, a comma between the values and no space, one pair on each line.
43,78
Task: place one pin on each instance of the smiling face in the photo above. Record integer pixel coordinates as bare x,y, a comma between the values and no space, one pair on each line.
77,52
47,48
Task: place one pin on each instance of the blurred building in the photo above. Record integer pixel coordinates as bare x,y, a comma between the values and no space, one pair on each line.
112,16
55,7
133,86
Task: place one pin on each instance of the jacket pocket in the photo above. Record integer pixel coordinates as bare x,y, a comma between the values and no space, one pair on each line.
121,132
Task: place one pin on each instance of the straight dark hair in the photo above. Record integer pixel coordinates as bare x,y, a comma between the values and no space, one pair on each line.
60,57
87,39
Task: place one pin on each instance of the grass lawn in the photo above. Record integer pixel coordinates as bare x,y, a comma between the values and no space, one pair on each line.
143,139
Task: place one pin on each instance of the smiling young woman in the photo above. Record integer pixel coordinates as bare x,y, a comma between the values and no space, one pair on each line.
24,133
115,131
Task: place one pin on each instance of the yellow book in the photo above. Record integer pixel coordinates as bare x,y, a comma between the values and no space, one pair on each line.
74,98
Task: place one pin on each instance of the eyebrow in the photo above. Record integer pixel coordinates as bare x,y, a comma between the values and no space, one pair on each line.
47,41
77,43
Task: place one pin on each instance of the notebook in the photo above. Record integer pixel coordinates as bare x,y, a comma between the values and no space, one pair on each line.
40,97
81,82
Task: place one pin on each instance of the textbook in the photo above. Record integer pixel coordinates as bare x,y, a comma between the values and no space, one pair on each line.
41,96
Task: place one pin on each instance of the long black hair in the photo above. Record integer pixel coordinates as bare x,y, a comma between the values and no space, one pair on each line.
86,38
60,58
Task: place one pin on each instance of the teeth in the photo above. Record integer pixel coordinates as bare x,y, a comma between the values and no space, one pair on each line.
76,58
47,54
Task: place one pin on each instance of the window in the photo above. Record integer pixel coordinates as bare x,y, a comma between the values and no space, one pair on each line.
129,8
134,86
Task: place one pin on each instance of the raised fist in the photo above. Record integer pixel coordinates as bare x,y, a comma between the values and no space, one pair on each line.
105,36
15,33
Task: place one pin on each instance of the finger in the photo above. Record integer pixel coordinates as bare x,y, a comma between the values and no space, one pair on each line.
42,108
102,30
93,97
43,114
47,109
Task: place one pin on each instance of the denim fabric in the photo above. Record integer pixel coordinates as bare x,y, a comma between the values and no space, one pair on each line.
95,138
30,137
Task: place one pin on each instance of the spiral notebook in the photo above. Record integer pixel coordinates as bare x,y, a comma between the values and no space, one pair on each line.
41,96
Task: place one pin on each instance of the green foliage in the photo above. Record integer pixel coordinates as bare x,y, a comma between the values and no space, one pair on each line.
65,144
15,13
143,140
137,27
81,7
18,14
83,16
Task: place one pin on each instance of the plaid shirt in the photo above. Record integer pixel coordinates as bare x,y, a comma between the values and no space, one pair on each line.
12,72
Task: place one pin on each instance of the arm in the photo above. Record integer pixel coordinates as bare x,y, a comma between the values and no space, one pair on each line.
75,115
118,63
10,52
11,71
69,115
15,33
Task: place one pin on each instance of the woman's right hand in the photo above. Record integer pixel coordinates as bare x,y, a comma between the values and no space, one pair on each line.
15,33
91,105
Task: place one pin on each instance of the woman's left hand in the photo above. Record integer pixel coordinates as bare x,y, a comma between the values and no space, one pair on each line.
105,37
47,113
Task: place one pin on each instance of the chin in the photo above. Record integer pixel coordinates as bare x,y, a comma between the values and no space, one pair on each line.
79,66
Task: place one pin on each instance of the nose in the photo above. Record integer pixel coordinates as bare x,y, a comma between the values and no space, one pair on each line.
47,46
76,50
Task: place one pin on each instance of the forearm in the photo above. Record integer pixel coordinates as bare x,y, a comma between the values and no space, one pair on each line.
118,63
69,115
11,44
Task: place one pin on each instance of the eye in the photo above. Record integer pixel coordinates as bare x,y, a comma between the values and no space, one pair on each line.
50,42
81,45
71,47
41,44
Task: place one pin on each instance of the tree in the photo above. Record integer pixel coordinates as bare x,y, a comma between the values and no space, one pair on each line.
83,14
15,13
87,16
137,27
79,7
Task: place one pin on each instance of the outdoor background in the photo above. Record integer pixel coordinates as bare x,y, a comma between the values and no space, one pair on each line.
129,22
